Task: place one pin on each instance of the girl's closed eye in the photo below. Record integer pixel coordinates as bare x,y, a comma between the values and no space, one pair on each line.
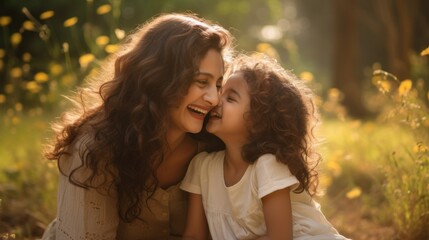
230,99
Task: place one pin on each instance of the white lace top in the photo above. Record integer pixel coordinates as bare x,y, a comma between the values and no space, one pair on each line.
88,214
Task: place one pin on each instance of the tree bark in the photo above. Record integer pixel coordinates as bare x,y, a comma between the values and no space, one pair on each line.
347,76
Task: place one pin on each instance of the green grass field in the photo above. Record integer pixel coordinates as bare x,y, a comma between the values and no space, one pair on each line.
367,169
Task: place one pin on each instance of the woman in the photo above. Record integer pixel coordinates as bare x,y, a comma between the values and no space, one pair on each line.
125,147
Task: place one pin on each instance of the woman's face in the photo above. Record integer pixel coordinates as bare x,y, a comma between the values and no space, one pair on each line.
202,95
227,119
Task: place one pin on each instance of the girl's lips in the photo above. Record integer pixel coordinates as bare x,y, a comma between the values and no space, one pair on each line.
215,115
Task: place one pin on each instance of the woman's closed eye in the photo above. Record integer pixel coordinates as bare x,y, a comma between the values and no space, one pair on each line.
202,82
219,86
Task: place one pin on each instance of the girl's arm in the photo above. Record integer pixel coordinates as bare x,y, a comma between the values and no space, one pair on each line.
196,223
278,215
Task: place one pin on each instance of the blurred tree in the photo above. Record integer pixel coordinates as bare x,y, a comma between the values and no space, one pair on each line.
347,57
386,31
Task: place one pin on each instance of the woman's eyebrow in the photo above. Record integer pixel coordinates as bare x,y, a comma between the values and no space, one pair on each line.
207,74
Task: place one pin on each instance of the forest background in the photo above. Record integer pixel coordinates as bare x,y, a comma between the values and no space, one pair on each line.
367,61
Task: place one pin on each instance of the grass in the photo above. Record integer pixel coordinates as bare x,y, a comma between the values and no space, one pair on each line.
27,181
357,164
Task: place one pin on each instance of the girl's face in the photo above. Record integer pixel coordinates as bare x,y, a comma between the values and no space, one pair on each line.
227,119
202,96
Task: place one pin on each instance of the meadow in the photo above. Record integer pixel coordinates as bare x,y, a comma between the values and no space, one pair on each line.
374,177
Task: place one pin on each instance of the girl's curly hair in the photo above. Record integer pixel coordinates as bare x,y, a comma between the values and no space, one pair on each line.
281,118
120,118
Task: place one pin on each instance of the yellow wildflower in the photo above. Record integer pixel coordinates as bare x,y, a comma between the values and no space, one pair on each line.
55,69
103,9
86,59
65,47
26,57
102,40
376,79
33,87
2,98
16,120
419,148
425,52
334,94
18,107
120,34
28,25
263,47
354,193
5,20
47,15
111,48
384,86
405,87
70,22
334,167
15,39
16,72
306,76
41,77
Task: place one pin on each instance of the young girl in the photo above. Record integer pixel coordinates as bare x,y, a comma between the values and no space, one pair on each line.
261,185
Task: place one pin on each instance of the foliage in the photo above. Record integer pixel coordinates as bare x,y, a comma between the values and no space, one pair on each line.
407,174
380,165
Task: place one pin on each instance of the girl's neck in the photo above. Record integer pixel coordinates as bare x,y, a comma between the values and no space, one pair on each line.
233,157
234,166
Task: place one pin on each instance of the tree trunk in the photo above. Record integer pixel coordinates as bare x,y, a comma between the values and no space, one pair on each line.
347,76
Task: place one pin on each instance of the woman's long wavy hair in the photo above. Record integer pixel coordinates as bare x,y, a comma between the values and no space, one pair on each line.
281,118
120,118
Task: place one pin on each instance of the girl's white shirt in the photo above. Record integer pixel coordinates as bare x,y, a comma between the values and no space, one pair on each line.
236,212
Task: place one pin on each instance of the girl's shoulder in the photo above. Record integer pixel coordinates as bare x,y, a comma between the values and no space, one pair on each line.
267,160
207,156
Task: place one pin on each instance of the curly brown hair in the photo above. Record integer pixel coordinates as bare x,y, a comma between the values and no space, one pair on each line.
124,107
281,118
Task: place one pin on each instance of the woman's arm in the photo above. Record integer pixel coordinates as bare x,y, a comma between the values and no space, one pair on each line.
196,223
278,215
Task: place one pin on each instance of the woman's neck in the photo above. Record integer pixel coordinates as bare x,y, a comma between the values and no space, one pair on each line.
174,139
181,149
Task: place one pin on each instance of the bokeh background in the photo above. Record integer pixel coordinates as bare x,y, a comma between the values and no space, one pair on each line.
367,62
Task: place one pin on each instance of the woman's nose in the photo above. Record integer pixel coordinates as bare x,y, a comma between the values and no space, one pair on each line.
212,96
